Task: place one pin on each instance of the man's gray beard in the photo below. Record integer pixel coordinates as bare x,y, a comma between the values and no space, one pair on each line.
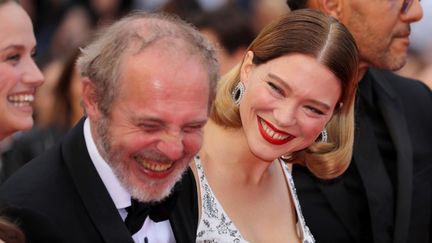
113,159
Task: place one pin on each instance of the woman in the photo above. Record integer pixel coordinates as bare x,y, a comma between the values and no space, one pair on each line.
58,118
19,75
19,78
289,101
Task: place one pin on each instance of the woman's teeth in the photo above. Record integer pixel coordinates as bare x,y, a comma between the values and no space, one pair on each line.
270,132
20,100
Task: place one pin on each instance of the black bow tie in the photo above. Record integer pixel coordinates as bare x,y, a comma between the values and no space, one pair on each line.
138,212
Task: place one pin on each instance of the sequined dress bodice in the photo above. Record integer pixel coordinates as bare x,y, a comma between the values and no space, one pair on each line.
215,226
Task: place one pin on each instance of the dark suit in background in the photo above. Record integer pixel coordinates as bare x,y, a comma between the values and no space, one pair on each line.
386,192
27,146
70,203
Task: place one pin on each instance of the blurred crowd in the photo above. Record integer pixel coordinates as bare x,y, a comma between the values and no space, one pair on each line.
63,26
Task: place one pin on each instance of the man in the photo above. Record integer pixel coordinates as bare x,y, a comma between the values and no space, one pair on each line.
148,85
385,195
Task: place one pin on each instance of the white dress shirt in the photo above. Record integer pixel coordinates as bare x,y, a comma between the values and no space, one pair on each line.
154,232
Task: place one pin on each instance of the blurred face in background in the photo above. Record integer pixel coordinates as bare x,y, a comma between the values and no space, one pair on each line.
226,60
106,7
45,98
19,75
264,11
75,94
381,29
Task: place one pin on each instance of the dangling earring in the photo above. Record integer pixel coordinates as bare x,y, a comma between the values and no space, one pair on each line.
323,137
286,157
238,92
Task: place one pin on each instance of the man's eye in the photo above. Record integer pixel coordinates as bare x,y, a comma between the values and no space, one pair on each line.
193,128
150,127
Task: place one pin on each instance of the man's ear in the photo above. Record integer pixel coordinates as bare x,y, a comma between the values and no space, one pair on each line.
246,67
333,7
330,7
89,99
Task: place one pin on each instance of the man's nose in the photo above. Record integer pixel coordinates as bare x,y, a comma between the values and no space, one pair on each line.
414,13
171,145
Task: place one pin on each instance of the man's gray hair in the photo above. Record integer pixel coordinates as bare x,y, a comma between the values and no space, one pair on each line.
101,60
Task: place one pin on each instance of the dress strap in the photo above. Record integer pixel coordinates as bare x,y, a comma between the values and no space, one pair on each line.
214,225
304,231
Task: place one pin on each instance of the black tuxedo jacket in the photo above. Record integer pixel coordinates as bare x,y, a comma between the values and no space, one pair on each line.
406,107
59,197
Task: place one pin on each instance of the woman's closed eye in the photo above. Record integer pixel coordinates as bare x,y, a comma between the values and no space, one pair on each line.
314,110
276,88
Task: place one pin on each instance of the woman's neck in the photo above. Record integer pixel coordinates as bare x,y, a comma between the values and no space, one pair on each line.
225,150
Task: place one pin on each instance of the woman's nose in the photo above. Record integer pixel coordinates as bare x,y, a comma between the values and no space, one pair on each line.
32,75
285,115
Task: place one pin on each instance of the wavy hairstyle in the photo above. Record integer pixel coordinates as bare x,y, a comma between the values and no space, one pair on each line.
315,34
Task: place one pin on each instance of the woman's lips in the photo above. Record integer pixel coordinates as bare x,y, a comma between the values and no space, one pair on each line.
21,101
271,134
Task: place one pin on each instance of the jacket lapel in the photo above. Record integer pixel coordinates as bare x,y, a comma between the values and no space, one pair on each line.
95,197
341,205
184,213
371,169
391,109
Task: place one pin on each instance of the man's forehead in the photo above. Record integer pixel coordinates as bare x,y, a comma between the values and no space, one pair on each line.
160,44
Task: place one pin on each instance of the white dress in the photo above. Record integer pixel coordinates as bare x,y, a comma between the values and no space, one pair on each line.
215,226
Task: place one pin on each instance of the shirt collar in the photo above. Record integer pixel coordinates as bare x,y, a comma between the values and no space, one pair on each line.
118,193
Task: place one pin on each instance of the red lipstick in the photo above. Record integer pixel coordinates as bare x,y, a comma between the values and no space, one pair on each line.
271,139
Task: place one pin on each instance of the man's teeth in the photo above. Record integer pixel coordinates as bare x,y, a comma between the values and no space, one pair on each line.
272,133
20,100
154,166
